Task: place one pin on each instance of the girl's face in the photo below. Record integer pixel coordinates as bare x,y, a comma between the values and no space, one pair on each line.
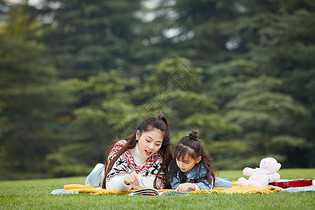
186,163
149,142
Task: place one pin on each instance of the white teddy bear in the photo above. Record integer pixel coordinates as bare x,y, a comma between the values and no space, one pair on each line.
260,177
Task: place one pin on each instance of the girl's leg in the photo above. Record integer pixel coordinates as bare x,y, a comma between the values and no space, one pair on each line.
222,183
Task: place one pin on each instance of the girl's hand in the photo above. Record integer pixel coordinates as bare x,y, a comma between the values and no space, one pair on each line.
185,187
132,179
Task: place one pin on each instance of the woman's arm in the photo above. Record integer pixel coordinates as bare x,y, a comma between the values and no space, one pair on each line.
117,184
160,182
153,171
115,177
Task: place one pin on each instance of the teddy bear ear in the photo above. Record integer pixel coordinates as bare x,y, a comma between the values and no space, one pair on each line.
279,166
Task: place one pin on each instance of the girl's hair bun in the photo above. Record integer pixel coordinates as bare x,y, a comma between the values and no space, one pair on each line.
194,134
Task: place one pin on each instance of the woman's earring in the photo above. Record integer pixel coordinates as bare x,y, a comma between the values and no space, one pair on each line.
136,140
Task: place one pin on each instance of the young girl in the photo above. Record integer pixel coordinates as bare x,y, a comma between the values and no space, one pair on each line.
191,168
139,160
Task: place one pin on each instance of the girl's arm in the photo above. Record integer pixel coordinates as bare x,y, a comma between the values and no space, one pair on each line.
186,187
175,182
204,183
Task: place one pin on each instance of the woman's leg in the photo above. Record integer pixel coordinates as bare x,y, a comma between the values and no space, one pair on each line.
96,176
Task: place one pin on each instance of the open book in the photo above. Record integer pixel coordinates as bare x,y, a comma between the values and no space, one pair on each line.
154,192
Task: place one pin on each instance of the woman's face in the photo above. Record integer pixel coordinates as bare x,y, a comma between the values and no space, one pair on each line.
149,142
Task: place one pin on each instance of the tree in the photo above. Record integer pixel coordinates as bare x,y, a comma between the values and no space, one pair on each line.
263,114
192,29
174,89
258,67
267,91
289,35
97,122
30,98
88,37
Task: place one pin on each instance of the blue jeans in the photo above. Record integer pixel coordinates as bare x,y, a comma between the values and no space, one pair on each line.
96,176
222,183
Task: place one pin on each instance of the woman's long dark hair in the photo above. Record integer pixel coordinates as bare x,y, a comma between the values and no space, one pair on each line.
152,123
192,146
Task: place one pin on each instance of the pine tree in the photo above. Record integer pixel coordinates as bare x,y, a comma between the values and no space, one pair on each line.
288,47
88,37
267,91
258,64
31,99
104,113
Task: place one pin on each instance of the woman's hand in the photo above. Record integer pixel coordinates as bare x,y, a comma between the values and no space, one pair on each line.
132,179
186,186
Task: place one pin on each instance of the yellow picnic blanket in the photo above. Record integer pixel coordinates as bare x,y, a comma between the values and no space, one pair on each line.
235,189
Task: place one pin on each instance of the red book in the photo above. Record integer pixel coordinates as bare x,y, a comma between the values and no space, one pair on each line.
292,183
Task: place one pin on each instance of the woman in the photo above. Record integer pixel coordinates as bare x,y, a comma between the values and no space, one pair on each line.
140,160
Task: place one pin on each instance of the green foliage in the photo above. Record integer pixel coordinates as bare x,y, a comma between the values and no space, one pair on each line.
211,124
289,141
68,160
88,37
103,105
30,99
240,72
173,89
252,102
265,90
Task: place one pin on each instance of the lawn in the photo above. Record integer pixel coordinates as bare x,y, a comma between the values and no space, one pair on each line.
35,194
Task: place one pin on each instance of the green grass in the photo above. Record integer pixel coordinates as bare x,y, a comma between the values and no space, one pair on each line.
35,194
